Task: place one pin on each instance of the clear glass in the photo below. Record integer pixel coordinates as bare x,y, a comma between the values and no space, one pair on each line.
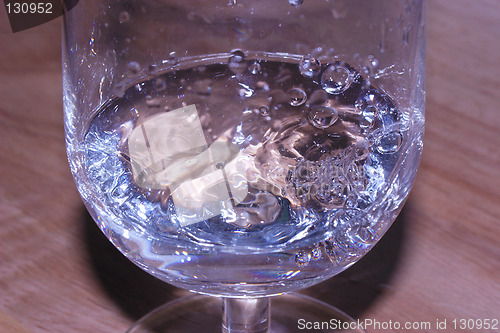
244,149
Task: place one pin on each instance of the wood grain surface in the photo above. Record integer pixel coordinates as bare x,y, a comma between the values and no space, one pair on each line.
440,260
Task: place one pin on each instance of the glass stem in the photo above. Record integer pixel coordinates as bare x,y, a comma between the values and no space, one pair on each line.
246,315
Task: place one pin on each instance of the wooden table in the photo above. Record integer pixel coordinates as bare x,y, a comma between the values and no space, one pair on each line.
440,261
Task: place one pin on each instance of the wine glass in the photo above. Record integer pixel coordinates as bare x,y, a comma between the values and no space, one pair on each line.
244,149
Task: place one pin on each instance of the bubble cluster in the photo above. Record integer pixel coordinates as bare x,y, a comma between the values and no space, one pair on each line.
318,140
372,106
330,182
305,256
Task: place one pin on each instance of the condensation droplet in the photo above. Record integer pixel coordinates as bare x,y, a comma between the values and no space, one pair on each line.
124,17
309,66
134,67
336,78
254,67
322,116
295,3
302,258
297,96
389,143
172,59
237,63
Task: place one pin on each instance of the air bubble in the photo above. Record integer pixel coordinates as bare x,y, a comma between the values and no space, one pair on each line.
160,84
406,36
191,16
262,85
124,17
264,110
254,67
316,253
372,61
302,258
318,97
134,67
119,90
389,143
361,152
367,119
297,96
279,97
153,101
276,125
358,238
332,195
237,63
335,254
309,66
322,116
305,173
336,78
202,87
357,176
295,3
245,91
363,234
